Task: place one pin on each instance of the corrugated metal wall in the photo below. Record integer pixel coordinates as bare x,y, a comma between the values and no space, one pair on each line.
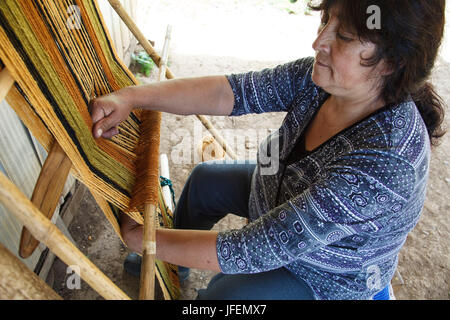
21,159
21,156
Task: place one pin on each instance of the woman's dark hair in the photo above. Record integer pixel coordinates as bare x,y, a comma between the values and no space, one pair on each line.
408,41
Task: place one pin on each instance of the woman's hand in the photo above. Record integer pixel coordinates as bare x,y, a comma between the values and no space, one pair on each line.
108,111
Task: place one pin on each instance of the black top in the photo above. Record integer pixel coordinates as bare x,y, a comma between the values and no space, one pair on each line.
299,152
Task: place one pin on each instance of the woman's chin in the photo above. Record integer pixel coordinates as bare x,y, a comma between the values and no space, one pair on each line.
319,80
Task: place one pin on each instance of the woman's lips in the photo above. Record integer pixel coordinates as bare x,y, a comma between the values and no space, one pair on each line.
321,64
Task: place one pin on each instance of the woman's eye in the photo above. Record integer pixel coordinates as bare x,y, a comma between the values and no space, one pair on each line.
344,38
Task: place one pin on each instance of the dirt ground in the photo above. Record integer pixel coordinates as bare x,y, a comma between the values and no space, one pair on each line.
237,36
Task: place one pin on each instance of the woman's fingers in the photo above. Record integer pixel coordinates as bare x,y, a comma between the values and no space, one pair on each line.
107,112
96,110
110,133
105,117
106,127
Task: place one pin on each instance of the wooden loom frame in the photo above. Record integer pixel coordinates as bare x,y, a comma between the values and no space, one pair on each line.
31,214
35,214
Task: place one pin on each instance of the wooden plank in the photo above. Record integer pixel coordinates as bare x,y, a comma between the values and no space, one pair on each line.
6,83
20,283
63,221
46,232
47,192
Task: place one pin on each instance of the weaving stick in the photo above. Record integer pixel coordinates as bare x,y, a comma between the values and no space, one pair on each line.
47,233
147,285
117,6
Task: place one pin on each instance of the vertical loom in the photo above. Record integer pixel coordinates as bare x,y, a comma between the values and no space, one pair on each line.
41,229
144,194
35,48
55,70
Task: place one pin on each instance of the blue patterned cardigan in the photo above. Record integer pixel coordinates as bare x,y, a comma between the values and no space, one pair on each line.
345,210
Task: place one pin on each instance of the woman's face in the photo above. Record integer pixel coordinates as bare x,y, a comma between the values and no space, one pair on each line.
338,68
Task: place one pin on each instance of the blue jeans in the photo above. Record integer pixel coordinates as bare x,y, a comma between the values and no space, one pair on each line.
213,190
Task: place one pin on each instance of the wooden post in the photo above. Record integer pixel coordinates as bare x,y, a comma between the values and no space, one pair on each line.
47,233
17,282
47,192
147,284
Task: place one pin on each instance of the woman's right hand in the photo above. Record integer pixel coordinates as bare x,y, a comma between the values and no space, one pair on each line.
108,111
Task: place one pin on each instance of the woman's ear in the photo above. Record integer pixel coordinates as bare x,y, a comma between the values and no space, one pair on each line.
389,68
386,69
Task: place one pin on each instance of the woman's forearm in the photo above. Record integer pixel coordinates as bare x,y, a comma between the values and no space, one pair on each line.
210,95
200,96
189,248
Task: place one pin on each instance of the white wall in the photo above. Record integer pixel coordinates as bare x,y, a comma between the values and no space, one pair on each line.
123,40
445,50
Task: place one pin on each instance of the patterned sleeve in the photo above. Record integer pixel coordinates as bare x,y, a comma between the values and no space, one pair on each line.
269,90
356,195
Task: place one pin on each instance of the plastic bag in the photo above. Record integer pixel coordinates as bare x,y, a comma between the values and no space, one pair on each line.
144,61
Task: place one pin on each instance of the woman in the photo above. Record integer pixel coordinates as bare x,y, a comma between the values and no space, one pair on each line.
354,152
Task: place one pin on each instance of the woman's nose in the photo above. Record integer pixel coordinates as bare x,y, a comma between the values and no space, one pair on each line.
323,40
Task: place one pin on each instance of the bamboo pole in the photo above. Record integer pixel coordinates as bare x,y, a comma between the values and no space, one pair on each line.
17,282
47,233
147,282
117,6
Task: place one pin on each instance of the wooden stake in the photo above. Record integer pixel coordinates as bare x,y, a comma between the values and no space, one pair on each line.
17,282
47,233
117,6
47,192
